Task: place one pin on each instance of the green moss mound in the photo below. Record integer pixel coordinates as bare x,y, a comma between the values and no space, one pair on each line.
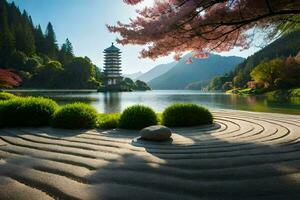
6,96
76,115
29,111
137,117
108,121
183,115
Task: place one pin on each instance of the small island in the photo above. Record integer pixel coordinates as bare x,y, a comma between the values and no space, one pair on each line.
113,81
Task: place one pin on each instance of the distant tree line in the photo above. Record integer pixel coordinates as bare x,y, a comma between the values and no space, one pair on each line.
37,58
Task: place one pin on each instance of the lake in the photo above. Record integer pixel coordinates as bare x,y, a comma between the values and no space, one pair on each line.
160,99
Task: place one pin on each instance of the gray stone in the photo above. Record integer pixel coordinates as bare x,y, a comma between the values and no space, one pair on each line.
156,133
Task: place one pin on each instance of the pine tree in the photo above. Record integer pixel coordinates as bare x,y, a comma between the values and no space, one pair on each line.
51,43
25,39
6,37
69,48
66,52
39,39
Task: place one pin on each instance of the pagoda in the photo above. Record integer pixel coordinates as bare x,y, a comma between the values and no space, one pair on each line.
112,69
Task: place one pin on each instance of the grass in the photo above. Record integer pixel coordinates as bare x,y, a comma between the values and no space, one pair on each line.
108,120
6,96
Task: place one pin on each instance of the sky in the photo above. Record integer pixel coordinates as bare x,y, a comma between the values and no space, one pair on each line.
83,23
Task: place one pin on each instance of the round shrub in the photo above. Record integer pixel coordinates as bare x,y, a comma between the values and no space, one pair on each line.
179,115
76,115
137,117
6,96
28,111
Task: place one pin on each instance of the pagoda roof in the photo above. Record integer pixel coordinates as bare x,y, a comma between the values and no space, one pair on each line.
112,49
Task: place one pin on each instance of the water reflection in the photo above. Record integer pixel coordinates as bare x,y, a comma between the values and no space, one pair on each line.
112,102
160,99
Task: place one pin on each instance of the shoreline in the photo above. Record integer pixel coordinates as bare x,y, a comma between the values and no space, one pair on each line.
280,93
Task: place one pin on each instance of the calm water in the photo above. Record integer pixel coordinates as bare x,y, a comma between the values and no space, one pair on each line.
160,99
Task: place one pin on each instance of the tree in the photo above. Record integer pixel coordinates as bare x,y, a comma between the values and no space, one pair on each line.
50,42
290,74
39,40
227,86
25,39
66,52
69,48
268,73
7,41
18,60
205,25
141,85
8,79
79,73
48,76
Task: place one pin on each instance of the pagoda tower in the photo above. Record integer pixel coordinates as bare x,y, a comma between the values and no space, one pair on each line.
112,69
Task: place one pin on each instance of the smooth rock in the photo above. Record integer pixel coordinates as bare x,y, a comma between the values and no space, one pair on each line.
156,133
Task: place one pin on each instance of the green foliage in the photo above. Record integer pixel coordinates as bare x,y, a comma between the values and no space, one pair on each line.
29,111
216,84
76,115
227,86
137,117
268,72
295,92
18,60
284,94
34,55
180,115
108,121
50,42
140,85
66,54
283,47
129,85
278,73
31,65
6,96
80,74
284,28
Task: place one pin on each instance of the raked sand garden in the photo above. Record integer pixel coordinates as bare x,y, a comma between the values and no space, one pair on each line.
243,155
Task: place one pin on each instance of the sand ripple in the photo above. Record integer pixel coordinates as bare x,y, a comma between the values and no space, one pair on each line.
244,155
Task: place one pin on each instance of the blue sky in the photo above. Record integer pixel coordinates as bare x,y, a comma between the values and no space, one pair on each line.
83,22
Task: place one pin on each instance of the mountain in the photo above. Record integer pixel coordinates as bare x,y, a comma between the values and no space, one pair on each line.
204,69
156,71
287,45
133,76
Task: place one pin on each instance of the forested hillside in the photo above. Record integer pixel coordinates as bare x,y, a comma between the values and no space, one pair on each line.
35,55
287,45
182,74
